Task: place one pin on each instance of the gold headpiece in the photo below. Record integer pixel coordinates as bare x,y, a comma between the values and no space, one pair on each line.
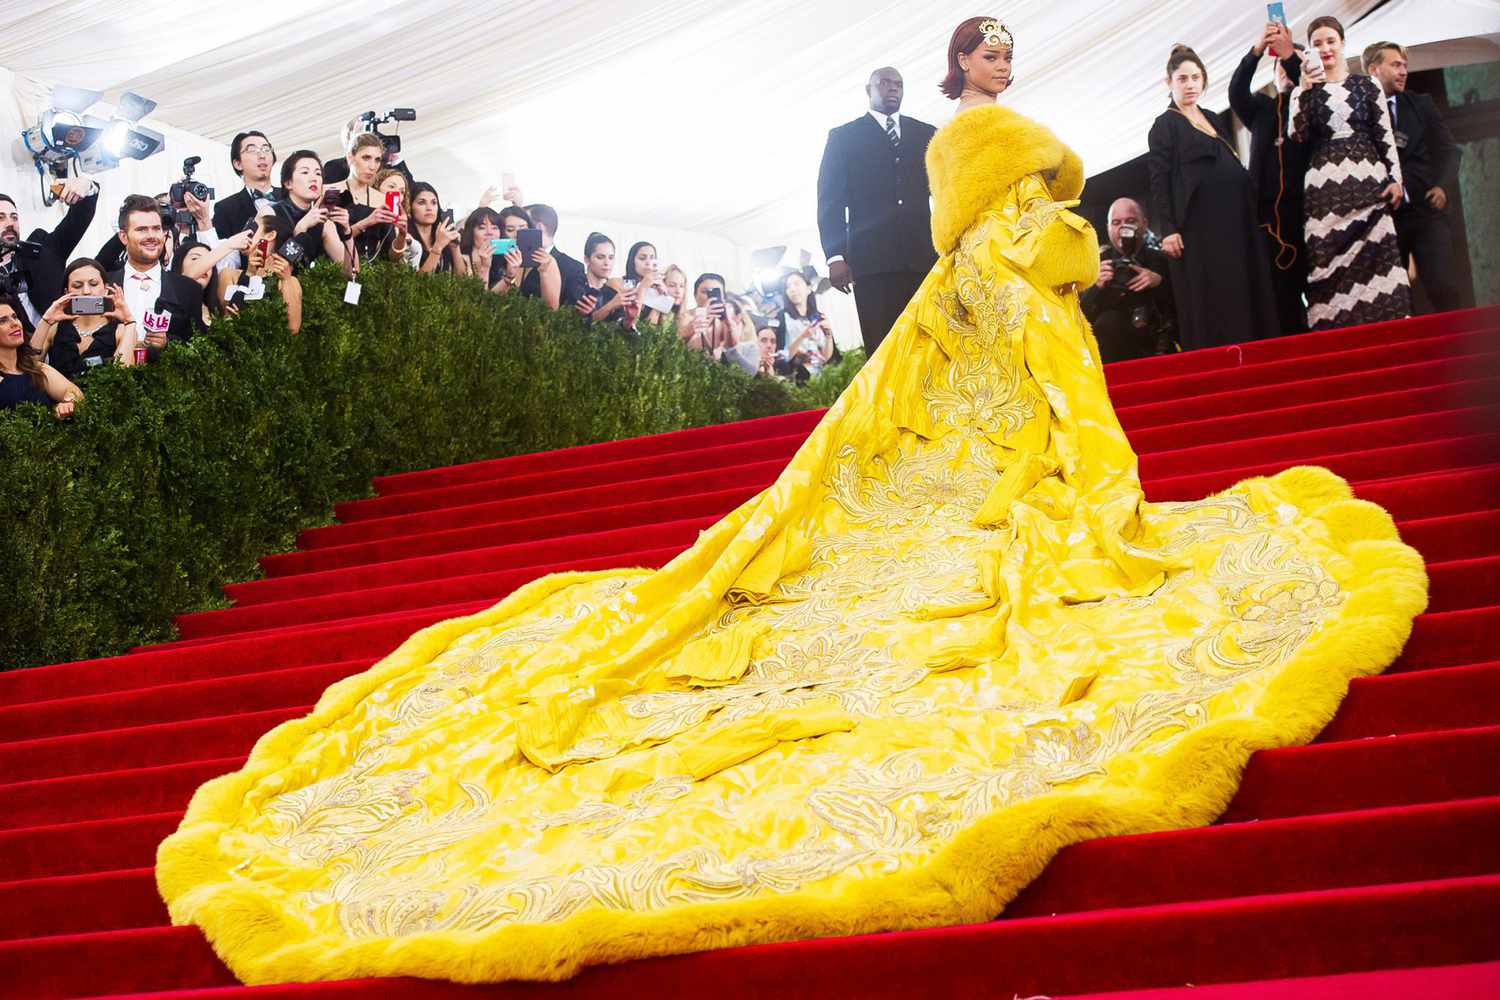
997,34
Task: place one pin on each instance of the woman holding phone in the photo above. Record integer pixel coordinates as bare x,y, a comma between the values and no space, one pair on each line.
805,331
318,230
435,232
370,220
1203,203
598,265
524,255
24,376
1356,272
481,230
74,343
640,282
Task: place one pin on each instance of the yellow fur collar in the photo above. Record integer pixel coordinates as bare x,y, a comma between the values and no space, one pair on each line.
975,158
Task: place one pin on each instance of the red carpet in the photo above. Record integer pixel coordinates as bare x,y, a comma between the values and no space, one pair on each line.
1364,865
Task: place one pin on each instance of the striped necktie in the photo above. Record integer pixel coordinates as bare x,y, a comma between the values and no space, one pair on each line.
890,131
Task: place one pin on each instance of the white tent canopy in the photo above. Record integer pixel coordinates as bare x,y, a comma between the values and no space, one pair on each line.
703,121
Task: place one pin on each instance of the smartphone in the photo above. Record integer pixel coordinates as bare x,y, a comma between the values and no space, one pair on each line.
660,301
332,197
393,202
1276,12
716,301
507,180
446,218
90,305
502,247
530,241
264,246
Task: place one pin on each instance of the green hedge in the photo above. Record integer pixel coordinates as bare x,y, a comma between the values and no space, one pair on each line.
171,479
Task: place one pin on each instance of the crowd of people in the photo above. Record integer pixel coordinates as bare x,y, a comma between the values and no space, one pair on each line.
178,262
1343,200
1348,181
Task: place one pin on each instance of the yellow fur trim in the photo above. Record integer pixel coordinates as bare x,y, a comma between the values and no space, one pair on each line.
970,880
974,159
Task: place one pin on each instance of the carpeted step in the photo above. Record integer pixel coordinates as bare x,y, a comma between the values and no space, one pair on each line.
1336,414
561,459
1376,463
1330,851
1334,363
79,743
1450,639
1418,375
89,846
485,560
1455,536
379,600
1421,329
604,517
121,793
1417,496
1275,935
563,501
1298,447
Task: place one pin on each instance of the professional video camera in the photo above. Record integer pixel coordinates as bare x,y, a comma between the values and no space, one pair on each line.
372,120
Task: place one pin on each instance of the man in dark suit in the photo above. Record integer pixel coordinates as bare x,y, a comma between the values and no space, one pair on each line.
1277,169
574,284
38,278
252,157
1429,170
166,307
874,211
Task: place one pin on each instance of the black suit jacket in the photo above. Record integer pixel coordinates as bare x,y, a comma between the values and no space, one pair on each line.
1178,158
873,199
232,214
574,286
179,296
44,276
1266,117
1429,157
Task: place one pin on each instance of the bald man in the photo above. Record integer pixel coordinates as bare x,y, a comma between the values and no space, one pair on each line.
874,212
1130,305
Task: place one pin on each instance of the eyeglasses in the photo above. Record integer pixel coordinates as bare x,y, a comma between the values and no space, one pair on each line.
253,150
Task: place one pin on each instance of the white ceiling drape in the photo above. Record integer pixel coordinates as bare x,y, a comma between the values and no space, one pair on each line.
690,116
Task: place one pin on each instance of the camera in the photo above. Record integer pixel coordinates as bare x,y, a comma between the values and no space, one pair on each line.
15,266
1131,241
374,119
187,186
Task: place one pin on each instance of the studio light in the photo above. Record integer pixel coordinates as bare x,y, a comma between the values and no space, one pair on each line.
64,135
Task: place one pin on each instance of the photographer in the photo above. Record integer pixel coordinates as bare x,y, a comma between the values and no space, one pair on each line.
518,273
1130,305
338,170
369,220
166,306
33,271
252,157
544,217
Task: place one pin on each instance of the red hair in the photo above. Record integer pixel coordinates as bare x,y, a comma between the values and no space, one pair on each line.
966,38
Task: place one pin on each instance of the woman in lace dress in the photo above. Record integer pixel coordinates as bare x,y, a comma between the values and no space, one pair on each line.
1353,190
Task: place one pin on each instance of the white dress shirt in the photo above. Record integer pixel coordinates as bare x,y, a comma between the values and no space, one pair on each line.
142,289
882,121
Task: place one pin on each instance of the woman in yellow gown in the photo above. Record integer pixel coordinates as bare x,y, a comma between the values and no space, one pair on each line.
951,639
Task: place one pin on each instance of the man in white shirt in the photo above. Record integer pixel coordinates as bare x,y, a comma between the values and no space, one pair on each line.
165,306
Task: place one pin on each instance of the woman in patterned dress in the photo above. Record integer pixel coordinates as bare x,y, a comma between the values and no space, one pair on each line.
1353,190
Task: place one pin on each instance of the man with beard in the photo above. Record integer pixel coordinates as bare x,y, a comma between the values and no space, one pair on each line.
165,306
37,276
874,215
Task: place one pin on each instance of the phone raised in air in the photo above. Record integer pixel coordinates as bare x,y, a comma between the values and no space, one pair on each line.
90,305
530,241
1276,12
501,247
393,202
446,217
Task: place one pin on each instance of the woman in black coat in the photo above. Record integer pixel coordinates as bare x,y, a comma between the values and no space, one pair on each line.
1204,207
